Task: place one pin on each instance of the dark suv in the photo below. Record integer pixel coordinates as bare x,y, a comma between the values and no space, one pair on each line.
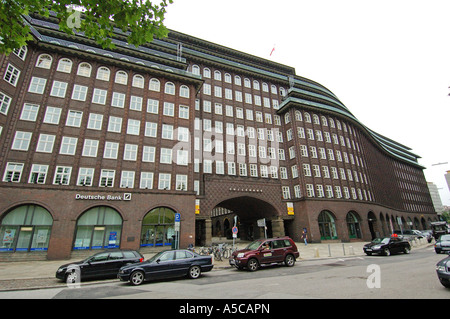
266,251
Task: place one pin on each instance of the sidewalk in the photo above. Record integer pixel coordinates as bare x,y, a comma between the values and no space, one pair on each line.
31,275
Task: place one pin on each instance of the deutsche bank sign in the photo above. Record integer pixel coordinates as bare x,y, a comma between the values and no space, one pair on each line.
125,197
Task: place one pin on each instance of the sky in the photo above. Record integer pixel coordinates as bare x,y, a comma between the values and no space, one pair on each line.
388,62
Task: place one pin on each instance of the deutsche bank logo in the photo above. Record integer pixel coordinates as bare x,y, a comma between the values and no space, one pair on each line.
127,196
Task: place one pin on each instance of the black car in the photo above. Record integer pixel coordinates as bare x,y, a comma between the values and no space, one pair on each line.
443,271
387,246
167,264
442,244
101,265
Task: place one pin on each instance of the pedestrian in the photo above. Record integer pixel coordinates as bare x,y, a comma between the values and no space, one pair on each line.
305,236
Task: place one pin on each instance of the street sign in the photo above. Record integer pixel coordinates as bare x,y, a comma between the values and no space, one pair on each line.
177,217
234,230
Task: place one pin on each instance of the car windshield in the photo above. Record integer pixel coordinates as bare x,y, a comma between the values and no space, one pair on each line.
380,240
254,245
445,237
155,257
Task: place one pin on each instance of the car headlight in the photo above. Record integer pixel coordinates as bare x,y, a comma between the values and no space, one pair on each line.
376,247
61,269
240,255
440,268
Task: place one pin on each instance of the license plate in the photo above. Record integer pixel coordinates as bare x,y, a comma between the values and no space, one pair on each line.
368,249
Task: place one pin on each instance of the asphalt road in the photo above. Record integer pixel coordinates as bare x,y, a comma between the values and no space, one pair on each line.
400,276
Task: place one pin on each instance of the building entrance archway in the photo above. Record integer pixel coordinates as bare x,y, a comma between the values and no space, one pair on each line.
246,211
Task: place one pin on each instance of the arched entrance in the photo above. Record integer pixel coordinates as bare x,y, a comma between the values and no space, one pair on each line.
158,227
248,211
354,229
26,228
327,225
98,228
373,227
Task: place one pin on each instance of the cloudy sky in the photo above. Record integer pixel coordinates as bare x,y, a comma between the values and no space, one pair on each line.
387,61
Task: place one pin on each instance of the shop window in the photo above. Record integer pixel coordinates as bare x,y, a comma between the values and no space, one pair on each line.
158,227
98,228
26,228
354,229
327,226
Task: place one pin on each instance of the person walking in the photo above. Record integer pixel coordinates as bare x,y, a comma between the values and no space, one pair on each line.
305,236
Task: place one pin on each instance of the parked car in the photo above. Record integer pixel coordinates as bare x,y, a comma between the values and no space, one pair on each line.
428,234
101,265
439,228
167,264
387,246
265,251
408,234
443,271
442,244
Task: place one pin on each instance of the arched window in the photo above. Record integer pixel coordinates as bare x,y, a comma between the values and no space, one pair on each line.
184,91
26,228
354,230
169,88
196,69
327,226
64,65
154,85
158,227
84,69
103,73
98,228
44,61
121,77
138,81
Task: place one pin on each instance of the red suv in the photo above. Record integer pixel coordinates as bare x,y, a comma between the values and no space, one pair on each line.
266,251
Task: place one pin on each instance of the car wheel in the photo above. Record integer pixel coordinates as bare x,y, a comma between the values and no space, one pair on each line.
407,250
71,277
194,272
252,264
444,283
386,252
137,278
289,261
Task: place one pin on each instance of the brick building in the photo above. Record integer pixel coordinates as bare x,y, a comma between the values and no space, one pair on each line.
102,148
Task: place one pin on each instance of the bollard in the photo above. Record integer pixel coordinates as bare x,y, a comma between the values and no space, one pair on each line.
316,252
352,252
343,249
329,250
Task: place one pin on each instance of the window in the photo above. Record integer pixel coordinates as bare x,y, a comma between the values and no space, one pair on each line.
130,152
154,85
38,174
158,227
138,81
103,73
148,154
151,129
115,124
64,65
111,150
146,180
37,85
166,156
79,92
152,106
62,175
169,109
183,112
59,89
45,143
184,91
167,132
26,228
136,103
121,77
98,228
68,145
107,178
99,96
127,179
118,100
84,69
29,112
74,118
21,52
13,172
85,176
169,88
5,102
11,75
95,121
44,61
90,148
21,141
181,182
52,115
133,127
164,181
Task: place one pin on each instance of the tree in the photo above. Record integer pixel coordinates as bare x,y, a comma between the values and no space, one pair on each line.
140,19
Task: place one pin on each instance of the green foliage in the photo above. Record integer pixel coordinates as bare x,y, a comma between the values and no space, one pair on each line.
140,19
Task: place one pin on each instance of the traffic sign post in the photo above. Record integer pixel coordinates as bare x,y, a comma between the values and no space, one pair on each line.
177,230
235,231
